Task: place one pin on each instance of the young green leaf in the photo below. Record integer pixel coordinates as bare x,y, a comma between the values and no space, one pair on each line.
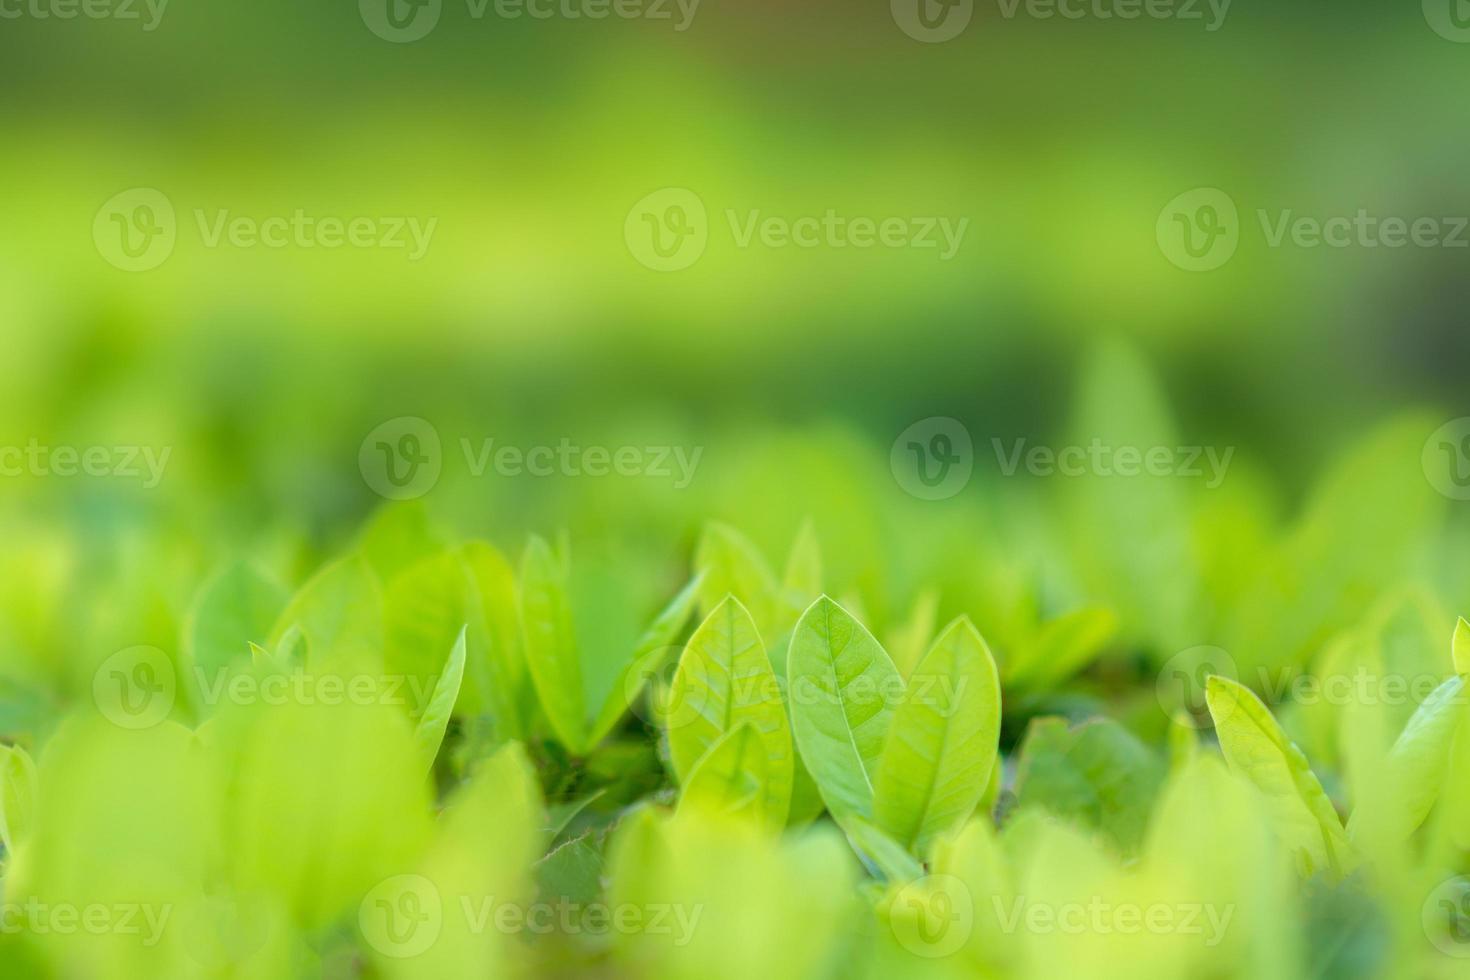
1460,647
732,776
729,564
551,647
1416,768
884,857
1062,646
942,743
428,734
843,689
1257,748
653,648
339,612
1097,773
17,795
427,608
501,674
803,575
237,607
724,678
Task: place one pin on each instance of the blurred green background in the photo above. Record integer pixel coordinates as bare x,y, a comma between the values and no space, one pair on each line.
530,320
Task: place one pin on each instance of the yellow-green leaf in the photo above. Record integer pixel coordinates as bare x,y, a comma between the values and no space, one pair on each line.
731,777
429,733
724,678
1257,748
843,689
943,741
551,646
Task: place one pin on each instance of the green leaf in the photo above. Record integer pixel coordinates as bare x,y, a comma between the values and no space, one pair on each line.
426,610
398,536
730,564
1460,647
1257,748
428,734
236,608
1062,647
551,647
731,777
803,575
654,648
1415,769
884,857
339,612
843,689
724,678
571,874
561,815
17,795
1098,773
943,741
500,673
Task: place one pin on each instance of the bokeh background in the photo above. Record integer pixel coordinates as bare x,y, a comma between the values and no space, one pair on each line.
530,320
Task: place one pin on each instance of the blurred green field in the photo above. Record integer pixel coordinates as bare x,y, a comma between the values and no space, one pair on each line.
320,347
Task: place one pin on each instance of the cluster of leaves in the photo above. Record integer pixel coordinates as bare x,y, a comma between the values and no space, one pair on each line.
745,756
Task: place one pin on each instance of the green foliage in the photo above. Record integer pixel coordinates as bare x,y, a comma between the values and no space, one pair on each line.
422,763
